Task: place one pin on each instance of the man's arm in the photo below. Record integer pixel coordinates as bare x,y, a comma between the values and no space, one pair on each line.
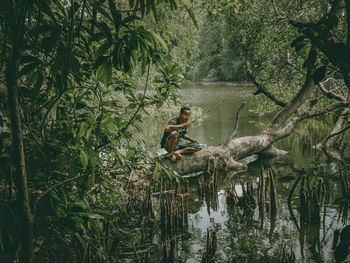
171,128
189,138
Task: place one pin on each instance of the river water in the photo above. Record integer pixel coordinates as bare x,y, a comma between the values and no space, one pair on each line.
251,236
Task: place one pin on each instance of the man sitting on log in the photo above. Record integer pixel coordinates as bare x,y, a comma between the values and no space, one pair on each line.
175,139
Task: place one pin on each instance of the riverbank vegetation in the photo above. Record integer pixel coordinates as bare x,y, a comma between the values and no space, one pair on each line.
78,77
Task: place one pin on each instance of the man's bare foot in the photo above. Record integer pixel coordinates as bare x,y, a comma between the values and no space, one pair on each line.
172,158
178,156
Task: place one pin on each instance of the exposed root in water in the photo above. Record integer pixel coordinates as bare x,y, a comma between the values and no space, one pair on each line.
207,183
313,194
211,247
266,199
285,256
343,202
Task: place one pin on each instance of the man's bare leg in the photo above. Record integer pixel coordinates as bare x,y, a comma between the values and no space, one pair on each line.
171,144
185,150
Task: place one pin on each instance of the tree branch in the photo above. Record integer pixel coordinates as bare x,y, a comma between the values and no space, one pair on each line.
236,124
337,133
330,94
318,112
321,35
279,17
329,140
302,115
298,99
261,88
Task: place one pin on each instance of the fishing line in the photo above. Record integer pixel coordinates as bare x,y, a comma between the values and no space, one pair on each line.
216,105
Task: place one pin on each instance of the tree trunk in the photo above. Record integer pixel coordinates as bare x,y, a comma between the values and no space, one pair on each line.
11,74
225,155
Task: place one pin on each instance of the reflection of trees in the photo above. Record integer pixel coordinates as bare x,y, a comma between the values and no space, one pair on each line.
267,197
344,200
255,232
245,221
313,194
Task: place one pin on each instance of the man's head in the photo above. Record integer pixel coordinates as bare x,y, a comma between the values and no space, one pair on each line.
185,114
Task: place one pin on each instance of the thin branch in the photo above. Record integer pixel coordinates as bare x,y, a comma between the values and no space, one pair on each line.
330,94
135,253
298,99
262,89
279,17
236,124
302,115
337,133
318,112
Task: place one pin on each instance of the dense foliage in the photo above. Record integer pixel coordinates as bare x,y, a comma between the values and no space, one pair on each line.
74,64
77,75
221,54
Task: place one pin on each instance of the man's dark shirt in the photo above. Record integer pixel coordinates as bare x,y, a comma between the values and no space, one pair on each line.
181,132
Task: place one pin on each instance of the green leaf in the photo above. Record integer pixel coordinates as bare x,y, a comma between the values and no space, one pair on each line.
194,20
160,40
100,9
154,10
99,61
131,3
103,48
84,158
130,154
29,68
103,27
60,60
156,172
74,64
104,72
29,58
95,216
83,128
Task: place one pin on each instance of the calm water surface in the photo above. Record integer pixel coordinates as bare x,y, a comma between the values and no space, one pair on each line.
252,238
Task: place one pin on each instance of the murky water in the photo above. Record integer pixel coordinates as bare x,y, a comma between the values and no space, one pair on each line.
254,235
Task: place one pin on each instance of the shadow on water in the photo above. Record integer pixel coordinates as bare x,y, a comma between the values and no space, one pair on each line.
290,209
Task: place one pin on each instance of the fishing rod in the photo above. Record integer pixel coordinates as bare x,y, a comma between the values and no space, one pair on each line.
216,105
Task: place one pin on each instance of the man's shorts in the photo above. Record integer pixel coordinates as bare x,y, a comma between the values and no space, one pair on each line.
181,143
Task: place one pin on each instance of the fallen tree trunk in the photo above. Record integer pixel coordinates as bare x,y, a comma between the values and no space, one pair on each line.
225,156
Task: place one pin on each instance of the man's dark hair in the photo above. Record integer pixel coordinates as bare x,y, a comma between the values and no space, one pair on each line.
183,109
